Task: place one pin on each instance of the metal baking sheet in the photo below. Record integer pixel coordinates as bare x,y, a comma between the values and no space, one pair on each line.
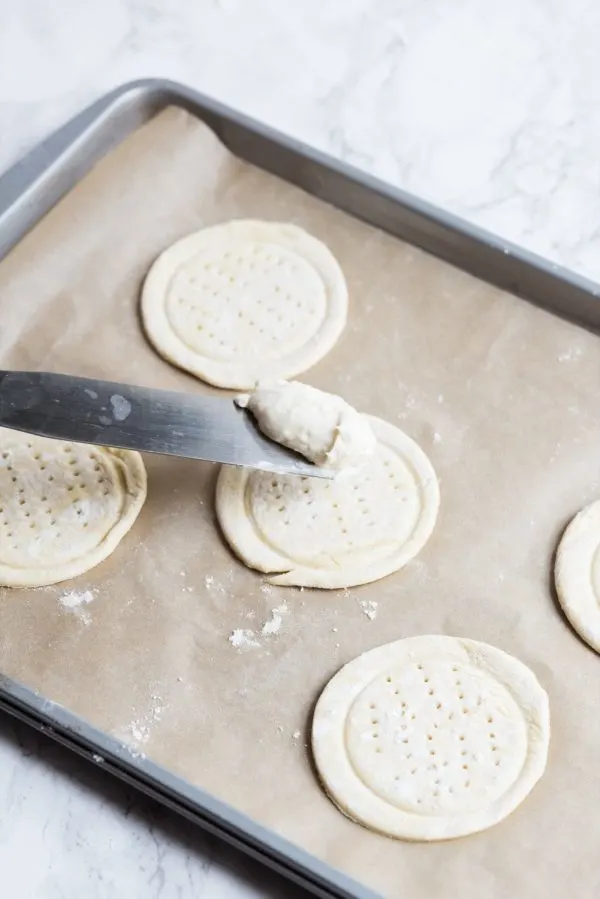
33,187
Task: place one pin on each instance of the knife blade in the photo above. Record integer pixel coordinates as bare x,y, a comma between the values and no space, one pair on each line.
108,413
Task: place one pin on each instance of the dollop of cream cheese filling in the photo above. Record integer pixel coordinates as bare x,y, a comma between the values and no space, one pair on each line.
321,426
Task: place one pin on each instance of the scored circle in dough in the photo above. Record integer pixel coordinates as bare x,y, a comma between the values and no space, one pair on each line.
431,738
577,574
311,532
64,507
245,301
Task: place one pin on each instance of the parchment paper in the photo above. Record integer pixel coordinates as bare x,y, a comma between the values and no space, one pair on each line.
502,396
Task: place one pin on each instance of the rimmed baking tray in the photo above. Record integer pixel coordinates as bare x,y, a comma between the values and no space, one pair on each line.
35,185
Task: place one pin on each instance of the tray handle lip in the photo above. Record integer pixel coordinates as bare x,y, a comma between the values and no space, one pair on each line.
176,91
23,176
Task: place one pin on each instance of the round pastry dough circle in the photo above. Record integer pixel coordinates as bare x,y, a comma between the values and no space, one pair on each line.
245,301
64,507
577,574
310,532
431,737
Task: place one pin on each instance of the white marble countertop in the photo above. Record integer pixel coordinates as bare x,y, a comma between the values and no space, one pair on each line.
492,111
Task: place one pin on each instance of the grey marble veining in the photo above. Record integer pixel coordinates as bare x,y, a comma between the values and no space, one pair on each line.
69,830
490,110
493,112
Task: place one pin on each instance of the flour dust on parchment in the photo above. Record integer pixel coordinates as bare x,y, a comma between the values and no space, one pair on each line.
75,602
571,354
369,608
141,728
245,637
249,638
213,585
137,733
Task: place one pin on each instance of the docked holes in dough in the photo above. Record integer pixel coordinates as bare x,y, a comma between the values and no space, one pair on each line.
245,301
63,507
310,532
577,574
431,737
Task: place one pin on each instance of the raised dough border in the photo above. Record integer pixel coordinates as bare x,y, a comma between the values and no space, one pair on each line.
351,795
132,472
239,375
573,568
241,535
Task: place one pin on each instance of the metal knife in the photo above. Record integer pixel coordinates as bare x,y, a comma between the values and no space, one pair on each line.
140,418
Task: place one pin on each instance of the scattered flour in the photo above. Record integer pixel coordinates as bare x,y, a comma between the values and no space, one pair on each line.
213,585
437,437
141,728
135,753
243,637
571,355
75,602
273,624
140,731
296,735
99,759
369,608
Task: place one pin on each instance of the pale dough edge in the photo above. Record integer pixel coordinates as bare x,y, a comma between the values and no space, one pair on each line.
362,806
133,473
233,375
240,534
572,574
